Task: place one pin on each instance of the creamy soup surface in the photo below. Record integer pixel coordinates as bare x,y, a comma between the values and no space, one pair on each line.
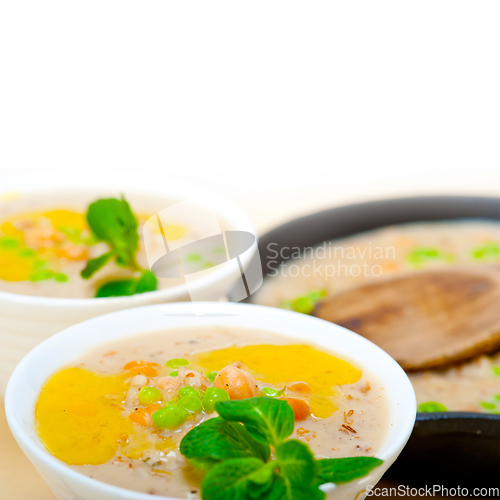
386,253
89,414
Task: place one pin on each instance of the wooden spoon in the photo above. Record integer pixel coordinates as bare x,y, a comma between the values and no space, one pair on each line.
425,320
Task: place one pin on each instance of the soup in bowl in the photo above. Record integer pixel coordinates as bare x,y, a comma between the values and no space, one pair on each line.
69,254
159,401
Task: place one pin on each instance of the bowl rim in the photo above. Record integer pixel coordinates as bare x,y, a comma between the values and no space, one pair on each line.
396,200
176,191
390,449
451,201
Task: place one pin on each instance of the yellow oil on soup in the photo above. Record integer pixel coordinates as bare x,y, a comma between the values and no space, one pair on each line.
63,219
280,365
78,416
18,261
14,266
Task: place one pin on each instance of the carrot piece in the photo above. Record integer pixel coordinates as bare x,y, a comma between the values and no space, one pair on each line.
145,367
301,408
142,416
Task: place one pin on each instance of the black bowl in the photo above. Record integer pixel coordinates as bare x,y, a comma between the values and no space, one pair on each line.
452,448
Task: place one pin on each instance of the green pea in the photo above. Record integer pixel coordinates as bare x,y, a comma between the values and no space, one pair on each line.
191,404
303,305
189,391
420,256
269,392
496,370
316,295
209,264
176,362
490,251
42,274
430,407
38,263
73,234
60,277
211,376
212,396
169,417
148,395
194,257
90,240
487,406
174,373
430,253
497,397
9,242
27,253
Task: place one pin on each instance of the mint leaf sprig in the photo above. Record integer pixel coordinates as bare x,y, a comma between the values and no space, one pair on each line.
112,221
235,449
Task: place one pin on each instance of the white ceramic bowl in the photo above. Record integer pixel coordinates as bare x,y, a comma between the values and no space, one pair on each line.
27,320
56,352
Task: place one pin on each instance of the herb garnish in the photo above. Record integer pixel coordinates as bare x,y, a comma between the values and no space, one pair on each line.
235,448
431,406
112,221
305,303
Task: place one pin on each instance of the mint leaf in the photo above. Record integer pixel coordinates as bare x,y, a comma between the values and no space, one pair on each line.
238,479
296,462
281,491
203,464
93,265
276,491
269,421
239,467
298,470
119,288
113,221
146,283
218,439
344,470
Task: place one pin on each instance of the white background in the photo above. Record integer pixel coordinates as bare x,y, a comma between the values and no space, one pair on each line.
284,107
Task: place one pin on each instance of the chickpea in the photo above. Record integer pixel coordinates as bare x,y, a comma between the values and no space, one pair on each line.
301,408
193,378
72,252
42,237
139,381
239,384
168,384
300,388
